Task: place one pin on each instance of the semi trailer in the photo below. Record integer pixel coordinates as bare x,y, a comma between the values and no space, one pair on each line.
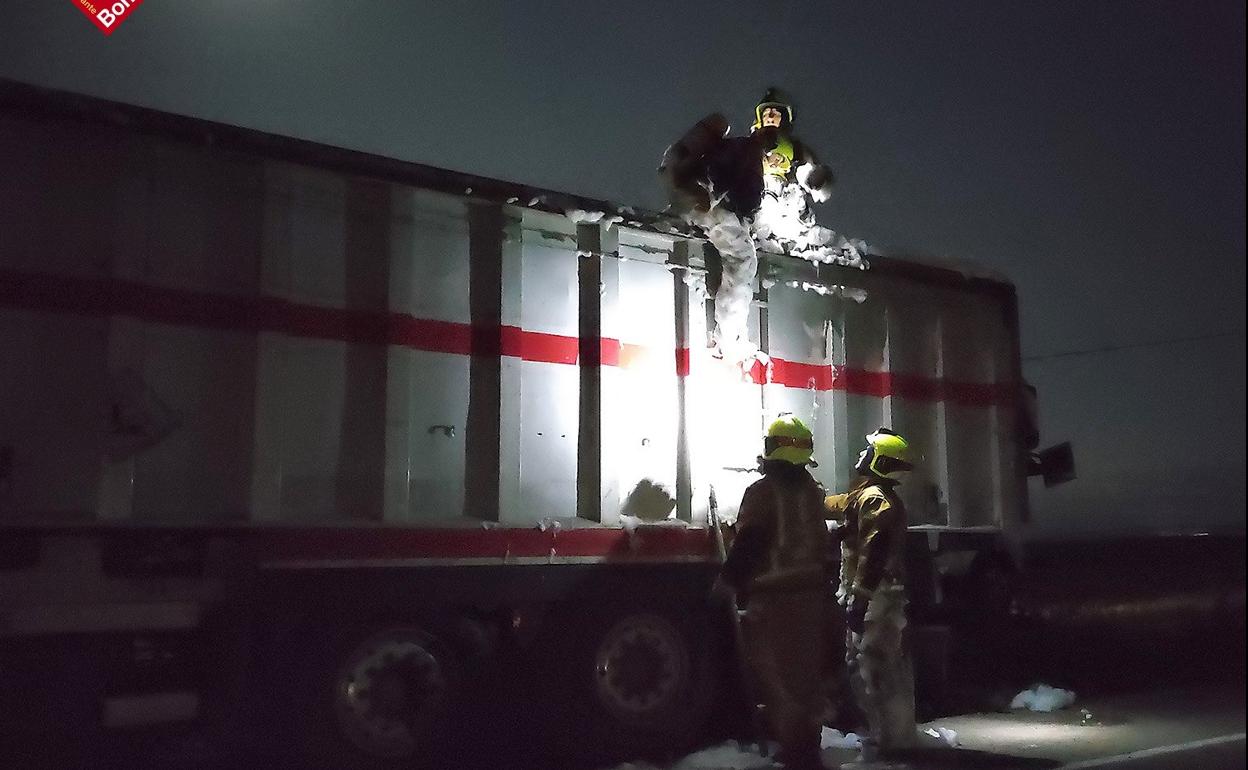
290,423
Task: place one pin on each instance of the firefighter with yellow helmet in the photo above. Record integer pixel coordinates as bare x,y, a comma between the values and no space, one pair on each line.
706,167
776,565
873,592
787,159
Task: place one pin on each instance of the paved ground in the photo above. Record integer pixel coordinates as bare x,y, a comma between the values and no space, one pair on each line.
1155,701
1198,727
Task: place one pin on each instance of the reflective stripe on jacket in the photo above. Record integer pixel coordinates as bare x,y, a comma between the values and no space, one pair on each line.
781,532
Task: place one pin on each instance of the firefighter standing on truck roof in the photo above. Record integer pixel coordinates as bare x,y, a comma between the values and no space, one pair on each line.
776,566
873,592
707,167
792,178
787,158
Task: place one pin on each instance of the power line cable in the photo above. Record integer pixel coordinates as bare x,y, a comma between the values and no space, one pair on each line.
1134,345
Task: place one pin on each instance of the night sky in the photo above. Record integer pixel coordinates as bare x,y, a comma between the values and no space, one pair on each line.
1092,151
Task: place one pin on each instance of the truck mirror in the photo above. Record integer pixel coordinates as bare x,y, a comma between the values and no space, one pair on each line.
1055,464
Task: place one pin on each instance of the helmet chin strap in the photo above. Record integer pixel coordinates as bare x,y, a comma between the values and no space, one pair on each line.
864,461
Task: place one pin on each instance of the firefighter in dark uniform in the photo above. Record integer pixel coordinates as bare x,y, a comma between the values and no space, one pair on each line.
707,166
777,567
873,592
786,157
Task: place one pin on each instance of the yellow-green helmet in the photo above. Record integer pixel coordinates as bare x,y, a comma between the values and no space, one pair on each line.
780,101
789,439
887,455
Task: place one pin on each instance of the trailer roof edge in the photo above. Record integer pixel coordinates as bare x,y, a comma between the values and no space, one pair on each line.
41,103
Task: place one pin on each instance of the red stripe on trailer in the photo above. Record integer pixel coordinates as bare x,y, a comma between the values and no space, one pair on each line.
539,346
979,394
501,543
860,382
915,388
682,362
107,297
797,375
863,382
158,304
611,352
434,336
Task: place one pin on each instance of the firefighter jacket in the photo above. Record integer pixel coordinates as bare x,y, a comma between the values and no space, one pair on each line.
873,536
706,155
785,154
781,536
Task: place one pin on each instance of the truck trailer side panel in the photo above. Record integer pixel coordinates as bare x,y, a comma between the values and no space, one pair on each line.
259,394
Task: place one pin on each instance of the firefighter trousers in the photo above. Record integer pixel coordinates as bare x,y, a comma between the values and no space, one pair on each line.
783,633
881,672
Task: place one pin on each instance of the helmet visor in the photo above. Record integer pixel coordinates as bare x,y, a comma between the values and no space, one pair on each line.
772,443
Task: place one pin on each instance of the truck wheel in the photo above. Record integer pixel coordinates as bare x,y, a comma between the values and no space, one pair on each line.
641,669
382,699
646,681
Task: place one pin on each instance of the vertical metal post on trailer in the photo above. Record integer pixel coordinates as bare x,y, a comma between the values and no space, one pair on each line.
491,440
680,293
589,358
714,277
359,481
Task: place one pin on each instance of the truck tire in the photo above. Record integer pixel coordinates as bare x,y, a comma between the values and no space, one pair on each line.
381,698
643,681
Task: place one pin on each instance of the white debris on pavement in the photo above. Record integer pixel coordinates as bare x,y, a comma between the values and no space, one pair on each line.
726,756
834,739
943,735
1044,698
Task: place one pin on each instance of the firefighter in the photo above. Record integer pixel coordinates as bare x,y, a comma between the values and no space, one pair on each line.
776,566
787,160
706,168
873,592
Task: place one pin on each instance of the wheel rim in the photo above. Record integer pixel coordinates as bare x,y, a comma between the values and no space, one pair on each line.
388,691
641,667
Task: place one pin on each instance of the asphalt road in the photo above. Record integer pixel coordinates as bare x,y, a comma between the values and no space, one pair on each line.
1182,707
1200,726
